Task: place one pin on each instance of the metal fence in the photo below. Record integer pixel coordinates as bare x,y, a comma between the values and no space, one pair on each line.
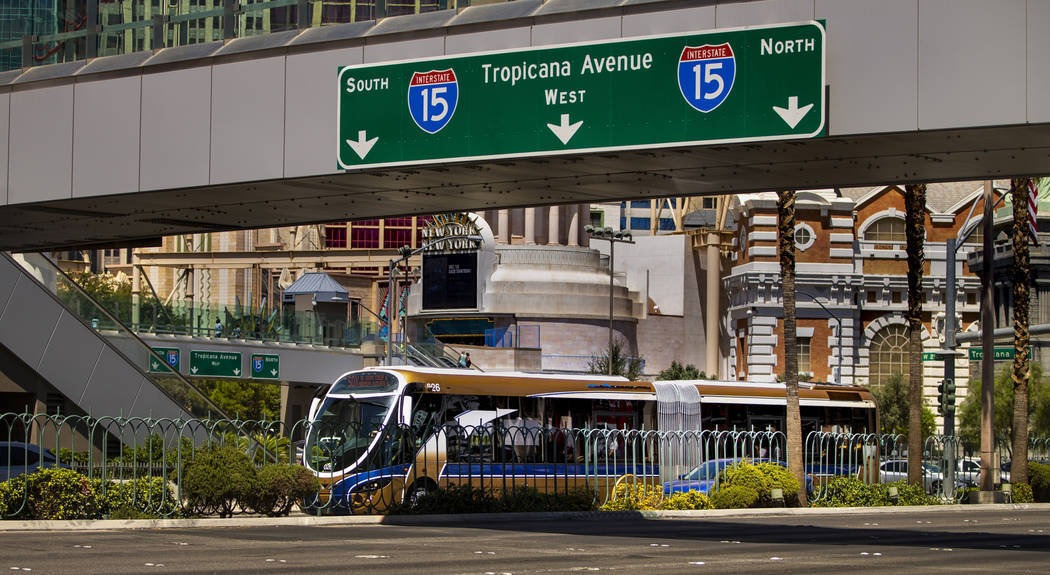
399,464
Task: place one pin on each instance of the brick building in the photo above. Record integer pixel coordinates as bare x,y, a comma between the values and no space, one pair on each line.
851,283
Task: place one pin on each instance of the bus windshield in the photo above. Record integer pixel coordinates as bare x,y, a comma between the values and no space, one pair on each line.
343,429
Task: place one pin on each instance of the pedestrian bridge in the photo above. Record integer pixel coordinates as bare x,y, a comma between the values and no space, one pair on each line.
242,133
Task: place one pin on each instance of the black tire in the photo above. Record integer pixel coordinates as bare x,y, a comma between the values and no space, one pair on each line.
419,489
935,488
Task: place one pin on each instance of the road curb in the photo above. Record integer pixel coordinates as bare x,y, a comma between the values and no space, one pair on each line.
481,518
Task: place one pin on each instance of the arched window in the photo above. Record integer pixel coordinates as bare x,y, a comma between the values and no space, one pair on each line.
977,235
888,354
886,230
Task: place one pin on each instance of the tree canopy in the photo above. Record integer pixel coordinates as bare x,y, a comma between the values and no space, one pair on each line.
1003,412
892,397
678,371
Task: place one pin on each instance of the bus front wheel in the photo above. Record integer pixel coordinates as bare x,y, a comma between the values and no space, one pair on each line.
418,490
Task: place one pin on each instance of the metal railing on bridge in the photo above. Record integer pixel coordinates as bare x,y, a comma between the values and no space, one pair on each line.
106,28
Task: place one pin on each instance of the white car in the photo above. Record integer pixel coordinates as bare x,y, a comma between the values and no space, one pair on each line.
969,470
897,470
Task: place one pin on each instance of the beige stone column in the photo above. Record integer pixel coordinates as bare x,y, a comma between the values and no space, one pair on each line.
503,227
714,282
553,225
530,226
574,226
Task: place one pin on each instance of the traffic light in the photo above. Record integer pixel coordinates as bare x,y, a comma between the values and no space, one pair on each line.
946,397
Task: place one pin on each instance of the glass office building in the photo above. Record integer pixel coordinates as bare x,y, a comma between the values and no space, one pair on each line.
20,18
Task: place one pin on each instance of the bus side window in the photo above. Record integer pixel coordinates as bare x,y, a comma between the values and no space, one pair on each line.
426,416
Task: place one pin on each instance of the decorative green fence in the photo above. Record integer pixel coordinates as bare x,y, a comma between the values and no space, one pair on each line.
143,462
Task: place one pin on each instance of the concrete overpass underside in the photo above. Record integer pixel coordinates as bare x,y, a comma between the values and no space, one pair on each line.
829,162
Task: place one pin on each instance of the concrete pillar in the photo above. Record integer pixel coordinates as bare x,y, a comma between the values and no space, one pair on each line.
503,227
714,282
530,226
574,226
189,303
585,218
553,225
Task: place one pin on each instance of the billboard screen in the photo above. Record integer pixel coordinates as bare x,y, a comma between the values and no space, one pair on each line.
450,281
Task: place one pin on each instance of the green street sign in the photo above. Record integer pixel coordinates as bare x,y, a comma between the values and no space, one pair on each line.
753,84
1001,354
266,366
215,363
930,356
171,360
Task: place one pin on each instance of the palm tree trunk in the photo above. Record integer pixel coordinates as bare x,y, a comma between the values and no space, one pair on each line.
915,219
786,239
1022,372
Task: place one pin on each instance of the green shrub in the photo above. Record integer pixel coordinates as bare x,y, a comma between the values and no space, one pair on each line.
852,492
14,504
634,496
59,494
217,479
744,474
686,501
280,486
777,477
142,498
734,497
454,499
1039,480
1022,493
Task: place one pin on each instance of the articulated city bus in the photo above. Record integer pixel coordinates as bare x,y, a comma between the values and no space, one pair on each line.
381,435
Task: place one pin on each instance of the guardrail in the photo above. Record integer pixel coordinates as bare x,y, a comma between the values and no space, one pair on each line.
401,463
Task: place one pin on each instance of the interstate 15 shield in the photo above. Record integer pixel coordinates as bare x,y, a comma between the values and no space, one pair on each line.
432,98
173,358
706,74
257,364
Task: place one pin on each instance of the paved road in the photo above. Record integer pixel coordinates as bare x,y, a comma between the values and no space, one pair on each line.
1008,541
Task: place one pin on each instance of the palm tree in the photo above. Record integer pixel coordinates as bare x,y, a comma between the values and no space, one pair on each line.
786,240
914,224
1022,369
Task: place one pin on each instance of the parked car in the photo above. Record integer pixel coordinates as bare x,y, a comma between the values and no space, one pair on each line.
17,458
704,476
932,476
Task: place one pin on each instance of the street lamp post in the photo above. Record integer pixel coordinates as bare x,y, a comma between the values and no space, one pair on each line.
612,237
838,320
391,313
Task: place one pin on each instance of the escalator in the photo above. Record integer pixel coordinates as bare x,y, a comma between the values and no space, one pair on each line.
66,338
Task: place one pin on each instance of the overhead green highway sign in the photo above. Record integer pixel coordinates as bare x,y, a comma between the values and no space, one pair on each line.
266,366
215,363
733,85
171,360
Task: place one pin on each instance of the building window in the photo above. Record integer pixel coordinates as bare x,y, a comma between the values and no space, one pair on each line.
708,203
598,218
640,204
335,237
896,297
977,235
364,235
872,297
803,355
639,223
888,354
805,237
889,229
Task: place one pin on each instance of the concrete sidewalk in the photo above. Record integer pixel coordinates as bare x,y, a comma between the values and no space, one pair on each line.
481,518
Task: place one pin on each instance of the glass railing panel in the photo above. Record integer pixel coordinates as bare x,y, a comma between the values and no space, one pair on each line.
120,337
139,25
